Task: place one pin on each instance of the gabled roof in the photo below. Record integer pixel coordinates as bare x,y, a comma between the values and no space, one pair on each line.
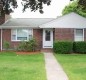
25,22
71,20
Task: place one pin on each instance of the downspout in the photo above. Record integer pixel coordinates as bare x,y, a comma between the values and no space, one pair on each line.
1,39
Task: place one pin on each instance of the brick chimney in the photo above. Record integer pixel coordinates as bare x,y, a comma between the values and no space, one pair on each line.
7,17
2,14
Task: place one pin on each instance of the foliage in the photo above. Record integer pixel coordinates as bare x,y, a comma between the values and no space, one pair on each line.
63,47
9,5
82,3
27,45
79,47
34,5
69,47
6,45
73,7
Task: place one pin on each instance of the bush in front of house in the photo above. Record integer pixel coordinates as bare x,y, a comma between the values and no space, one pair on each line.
29,45
6,45
79,47
63,46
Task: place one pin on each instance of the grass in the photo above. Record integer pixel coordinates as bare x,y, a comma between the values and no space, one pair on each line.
74,65
21,67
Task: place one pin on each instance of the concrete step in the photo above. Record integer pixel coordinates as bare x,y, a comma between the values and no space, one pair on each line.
46,50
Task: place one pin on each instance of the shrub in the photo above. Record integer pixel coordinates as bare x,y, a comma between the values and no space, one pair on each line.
79,47
27,45
6,45
32,45
63,47
22,46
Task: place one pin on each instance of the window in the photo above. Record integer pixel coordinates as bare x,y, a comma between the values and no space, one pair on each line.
79,35
47,35
21,34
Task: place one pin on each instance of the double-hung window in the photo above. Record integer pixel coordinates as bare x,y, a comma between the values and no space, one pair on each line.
21,34
79,34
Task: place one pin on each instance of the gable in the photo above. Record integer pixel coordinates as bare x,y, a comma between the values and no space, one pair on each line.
71,20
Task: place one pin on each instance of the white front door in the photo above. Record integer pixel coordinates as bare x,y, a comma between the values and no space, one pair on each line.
47,38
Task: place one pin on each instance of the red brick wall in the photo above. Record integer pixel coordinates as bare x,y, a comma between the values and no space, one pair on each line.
64,34
37,34
59,34
7,37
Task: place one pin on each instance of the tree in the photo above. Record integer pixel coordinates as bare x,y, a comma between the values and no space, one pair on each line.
74,7
34,5
8,5
82,3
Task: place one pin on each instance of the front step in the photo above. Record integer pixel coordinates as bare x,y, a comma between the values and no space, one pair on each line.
46,50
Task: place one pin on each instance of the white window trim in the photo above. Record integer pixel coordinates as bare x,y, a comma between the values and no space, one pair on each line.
16,36
75,33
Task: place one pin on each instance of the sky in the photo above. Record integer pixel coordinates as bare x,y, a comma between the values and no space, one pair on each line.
52,11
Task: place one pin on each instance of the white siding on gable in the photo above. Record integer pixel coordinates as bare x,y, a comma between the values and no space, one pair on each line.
79,35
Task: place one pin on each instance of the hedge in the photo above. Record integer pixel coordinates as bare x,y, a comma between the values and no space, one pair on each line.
63,47
79,47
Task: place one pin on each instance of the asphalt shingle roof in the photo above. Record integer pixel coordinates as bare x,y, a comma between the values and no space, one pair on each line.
71,20
25,22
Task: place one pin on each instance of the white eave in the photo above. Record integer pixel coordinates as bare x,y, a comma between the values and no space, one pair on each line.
71,20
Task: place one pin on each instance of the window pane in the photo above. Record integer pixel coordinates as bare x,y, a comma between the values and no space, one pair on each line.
30,37
79,32
13,37
22,34
30,34
47,35
79,35
79,39
30,31
13,34
22,38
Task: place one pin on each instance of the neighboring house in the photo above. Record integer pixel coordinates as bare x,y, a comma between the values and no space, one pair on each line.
70,27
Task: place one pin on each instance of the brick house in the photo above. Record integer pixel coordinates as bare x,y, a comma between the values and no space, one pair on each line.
70,27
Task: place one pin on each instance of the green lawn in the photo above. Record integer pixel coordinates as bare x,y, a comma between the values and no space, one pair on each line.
22,67
74,65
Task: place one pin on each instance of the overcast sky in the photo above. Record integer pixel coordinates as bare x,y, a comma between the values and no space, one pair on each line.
52,11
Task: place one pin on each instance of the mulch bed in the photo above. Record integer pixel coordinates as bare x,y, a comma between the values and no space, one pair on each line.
36,52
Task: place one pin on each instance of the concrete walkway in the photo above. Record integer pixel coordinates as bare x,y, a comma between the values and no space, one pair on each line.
53,69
